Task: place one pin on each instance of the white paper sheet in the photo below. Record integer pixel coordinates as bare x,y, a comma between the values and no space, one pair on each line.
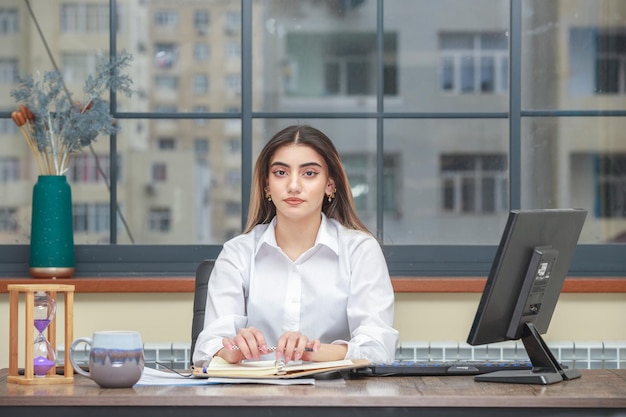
152,376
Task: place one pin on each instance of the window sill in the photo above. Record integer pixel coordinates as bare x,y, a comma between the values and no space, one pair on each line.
400,284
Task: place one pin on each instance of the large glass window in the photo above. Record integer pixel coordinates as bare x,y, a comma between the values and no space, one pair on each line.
444,121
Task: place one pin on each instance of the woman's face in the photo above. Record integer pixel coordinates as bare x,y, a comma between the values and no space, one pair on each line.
298,182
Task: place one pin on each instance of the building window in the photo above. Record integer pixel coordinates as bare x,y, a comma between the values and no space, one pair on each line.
200,84
611,185
165,55
8,223
232,208
159,172
232,50
201,146
201,21
232,22
9,21
200,109
348,67
474,183
232,83
165,108
77,66
611,63
201,51
361,171
232,178
8,127
233,145
159,219
9,169
84,18
166,82
474,63
166,18
80,217
166,144
8,71
87,168
91,218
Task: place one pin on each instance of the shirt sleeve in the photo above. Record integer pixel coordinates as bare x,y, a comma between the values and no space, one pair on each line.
225,306
370,305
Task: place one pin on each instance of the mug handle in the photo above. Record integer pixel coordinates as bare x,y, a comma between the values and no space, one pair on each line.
75,343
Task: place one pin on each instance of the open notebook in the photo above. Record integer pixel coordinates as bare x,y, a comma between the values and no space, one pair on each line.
218,367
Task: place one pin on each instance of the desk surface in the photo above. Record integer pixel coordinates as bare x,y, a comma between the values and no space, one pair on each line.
598,392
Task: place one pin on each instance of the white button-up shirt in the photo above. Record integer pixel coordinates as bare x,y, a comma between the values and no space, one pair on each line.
338,291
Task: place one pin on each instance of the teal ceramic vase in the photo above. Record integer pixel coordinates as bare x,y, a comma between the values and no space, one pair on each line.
52,231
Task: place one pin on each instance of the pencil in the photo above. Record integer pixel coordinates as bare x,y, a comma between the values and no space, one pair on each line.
273,348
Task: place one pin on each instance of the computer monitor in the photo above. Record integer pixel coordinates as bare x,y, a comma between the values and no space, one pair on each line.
523,287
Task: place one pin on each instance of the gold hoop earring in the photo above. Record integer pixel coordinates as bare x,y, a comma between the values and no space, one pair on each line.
268,196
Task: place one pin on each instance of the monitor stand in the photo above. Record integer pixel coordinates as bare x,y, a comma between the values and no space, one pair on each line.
545,368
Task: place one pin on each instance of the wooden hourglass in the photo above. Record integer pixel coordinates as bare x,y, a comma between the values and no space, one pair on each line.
40,316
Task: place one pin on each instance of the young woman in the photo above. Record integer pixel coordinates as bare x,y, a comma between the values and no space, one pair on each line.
305,276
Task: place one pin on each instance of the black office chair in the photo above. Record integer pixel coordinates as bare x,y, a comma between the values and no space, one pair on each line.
203,272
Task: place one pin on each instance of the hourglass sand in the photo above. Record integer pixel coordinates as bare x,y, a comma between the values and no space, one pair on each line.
40,352
45,356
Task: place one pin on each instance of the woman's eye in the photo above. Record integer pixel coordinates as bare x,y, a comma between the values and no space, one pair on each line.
280,172
310,173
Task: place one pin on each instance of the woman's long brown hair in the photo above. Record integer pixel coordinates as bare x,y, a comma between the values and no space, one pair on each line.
341,208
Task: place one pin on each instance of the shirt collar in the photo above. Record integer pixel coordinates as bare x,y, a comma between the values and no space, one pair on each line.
327,235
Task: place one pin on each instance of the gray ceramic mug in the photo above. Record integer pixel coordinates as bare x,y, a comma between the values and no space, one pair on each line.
116,358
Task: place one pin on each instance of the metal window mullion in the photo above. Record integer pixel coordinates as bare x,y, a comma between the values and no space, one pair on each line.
515,104
246,108
380,95
113,138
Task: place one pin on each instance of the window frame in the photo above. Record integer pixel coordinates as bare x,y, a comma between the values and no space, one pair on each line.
600,260
9,21
451,64
8,70
453,179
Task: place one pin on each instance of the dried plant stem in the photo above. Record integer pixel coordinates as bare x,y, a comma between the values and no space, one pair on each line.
64,156
26,129
52,140
49,169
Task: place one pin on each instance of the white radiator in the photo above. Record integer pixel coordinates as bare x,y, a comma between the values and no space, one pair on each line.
580,354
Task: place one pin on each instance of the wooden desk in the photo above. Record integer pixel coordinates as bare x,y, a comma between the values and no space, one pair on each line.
601,393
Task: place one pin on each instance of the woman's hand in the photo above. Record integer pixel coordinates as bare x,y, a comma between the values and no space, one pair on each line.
295,346
249,343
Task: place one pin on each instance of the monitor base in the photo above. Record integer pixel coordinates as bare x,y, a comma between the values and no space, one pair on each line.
546,369
528,377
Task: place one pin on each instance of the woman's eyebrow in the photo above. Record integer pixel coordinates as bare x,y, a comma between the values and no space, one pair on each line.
307,164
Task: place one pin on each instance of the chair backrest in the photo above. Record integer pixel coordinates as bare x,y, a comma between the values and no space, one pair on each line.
203,272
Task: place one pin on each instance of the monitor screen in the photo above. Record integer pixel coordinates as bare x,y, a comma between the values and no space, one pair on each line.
523,287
